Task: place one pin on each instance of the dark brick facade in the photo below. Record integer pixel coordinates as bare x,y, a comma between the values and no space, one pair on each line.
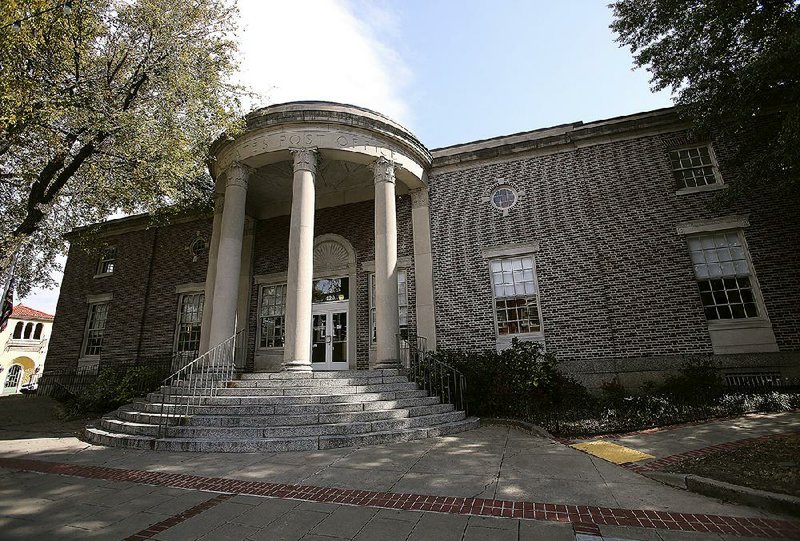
615,278
616,283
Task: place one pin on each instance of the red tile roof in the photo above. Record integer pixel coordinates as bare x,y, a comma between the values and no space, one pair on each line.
23,312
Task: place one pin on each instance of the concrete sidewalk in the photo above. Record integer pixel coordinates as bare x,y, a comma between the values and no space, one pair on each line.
496,463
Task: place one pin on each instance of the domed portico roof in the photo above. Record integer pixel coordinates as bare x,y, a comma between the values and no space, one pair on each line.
347,138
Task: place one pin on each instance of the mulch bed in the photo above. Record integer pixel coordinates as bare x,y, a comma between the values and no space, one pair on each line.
772,465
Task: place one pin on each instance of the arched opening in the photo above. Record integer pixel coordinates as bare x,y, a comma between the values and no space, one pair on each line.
28,330
37,334
18,329
13,378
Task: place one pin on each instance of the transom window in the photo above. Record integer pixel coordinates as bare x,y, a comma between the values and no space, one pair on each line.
272,316
190,317
402,304
95,329
694,167
107,261
516,296
330,290
723,275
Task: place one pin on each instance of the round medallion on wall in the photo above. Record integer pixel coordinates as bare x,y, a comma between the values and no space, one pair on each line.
503,196
198,248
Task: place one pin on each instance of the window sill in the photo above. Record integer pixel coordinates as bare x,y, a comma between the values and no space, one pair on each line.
744,323
103,274
698,189
88,360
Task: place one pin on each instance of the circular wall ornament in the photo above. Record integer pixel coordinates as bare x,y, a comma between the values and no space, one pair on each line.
504,197
198,248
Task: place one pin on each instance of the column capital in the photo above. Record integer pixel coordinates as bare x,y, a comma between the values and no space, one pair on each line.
419,198
237,174
383,168
305,159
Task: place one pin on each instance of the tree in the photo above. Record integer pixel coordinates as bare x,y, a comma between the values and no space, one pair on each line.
106,105
734,68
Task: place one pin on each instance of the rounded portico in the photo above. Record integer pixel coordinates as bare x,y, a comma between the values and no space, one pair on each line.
293,160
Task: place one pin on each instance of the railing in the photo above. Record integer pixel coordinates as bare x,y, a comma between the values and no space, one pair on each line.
437,378
65,383
198,380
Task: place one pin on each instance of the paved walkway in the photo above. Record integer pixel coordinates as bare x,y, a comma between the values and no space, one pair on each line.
478,476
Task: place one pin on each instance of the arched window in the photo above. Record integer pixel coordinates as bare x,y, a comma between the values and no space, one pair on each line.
18,329
37,334
13,376
28,330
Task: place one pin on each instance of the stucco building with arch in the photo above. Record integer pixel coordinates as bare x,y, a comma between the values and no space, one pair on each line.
23,347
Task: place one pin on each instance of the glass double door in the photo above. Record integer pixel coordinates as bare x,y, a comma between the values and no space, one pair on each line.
329,336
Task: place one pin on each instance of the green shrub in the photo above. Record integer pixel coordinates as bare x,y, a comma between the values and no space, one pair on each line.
516,382
114,387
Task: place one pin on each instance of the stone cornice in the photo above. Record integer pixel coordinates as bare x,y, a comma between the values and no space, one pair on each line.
559,138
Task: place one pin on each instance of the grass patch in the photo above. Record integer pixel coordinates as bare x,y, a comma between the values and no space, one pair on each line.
772,465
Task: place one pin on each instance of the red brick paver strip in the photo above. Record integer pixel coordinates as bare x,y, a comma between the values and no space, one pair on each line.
663,462
582,517
168,523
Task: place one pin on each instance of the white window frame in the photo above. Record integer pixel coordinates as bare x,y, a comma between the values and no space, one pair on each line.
527,335
731,336
88,329
178,324
261,288
109,255
402,302
718,185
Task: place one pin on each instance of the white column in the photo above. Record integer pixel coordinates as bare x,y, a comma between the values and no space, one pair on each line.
297,346
423,266
211,273
229,255
386,317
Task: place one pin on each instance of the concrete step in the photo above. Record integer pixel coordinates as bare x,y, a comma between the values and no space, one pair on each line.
235,419
316,389
114,424
223,400
314,382
338,374
104,437
288,409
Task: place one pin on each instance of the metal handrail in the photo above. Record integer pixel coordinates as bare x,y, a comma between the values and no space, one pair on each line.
437,378
198,380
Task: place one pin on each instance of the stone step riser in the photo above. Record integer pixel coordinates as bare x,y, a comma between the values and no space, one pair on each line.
307,382
270,400
276,445
301,391
273,420
343,374
291,409
298,431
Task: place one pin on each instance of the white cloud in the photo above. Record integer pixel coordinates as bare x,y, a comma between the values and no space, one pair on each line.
321,50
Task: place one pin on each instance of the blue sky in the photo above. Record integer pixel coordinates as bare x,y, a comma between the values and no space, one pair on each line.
452,71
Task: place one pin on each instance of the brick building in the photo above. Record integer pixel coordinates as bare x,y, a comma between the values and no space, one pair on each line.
335,229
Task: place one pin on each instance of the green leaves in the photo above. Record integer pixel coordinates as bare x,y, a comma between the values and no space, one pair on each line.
111,107
733,67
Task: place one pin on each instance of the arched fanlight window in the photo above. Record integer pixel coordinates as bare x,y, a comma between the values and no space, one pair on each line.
37,334
28,330
18,329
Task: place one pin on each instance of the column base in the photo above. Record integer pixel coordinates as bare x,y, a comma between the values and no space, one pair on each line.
297,366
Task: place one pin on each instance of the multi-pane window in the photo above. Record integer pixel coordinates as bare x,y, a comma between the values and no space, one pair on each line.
95,327
272,316
402,304
107,261
190,317
694,167
516,297
723,275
